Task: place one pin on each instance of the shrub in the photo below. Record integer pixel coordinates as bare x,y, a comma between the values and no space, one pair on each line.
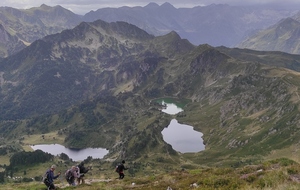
38,178
283,162
223,171
26,179
221,182
291,171
250,178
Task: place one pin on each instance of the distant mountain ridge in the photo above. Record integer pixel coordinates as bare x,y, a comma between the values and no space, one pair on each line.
283,36
214,24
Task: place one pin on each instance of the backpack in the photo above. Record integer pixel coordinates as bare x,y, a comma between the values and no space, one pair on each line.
68,174
82,169
118,168
45,176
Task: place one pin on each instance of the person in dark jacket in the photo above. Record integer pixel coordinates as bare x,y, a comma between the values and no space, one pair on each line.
82,170
121,169
49,178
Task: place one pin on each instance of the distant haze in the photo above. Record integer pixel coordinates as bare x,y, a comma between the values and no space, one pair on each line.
84,6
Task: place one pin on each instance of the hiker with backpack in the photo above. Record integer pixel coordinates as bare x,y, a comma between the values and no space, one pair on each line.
49,177
82,170
120,169
71,174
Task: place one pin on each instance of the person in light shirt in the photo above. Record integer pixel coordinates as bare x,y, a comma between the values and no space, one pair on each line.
71,175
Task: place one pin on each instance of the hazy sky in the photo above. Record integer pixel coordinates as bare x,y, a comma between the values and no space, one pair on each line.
84,6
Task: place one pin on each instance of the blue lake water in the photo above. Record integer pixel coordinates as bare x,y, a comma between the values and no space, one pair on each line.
74,154
183,138
171,108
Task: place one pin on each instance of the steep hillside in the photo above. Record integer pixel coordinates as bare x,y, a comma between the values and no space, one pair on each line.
28,25
70,67
9,44
284,36
272,58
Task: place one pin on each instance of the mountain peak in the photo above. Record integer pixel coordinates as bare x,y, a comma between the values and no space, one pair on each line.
45,7
173,34
167,6
288,24
288,20
152,5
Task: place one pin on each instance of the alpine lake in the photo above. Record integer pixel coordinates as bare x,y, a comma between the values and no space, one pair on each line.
74,154
183,138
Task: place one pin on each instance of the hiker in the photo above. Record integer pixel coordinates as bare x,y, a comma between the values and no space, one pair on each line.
49,178
71,174
120,169
82,170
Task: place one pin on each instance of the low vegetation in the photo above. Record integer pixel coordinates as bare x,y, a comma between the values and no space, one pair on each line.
278,174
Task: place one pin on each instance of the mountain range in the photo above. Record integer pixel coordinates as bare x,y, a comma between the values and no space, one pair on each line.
95,86
215,25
